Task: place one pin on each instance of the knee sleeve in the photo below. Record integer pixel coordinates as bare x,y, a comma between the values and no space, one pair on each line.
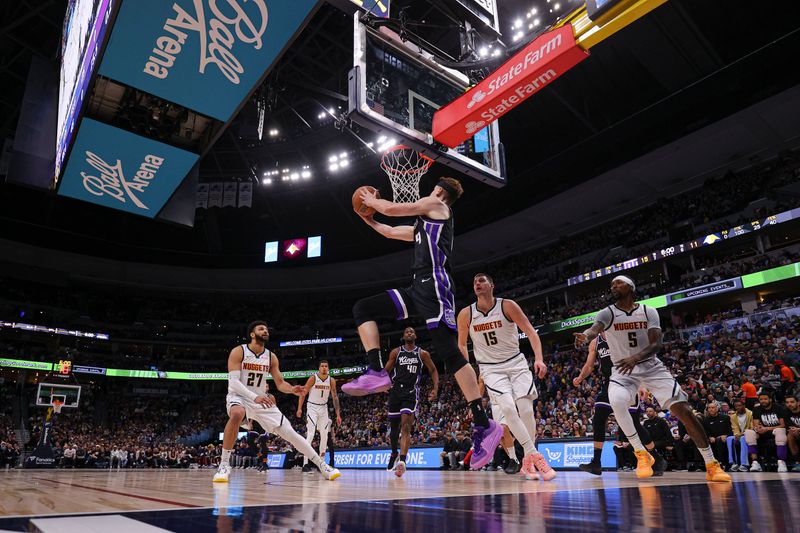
373,308
780,436
751,437
444,339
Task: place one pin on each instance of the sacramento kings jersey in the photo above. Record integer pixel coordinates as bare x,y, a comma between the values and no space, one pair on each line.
321,391
433,244
494,337
407,370
626,333
604,353
255,369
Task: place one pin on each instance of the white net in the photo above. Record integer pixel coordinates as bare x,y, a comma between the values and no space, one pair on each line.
405,167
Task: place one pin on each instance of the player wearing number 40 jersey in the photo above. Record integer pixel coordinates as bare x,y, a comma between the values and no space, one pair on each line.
491,324
248,368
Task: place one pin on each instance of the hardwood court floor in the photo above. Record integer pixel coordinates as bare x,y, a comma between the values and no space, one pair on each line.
421,501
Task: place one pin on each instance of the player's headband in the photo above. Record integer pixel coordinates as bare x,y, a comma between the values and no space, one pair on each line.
625,279
451,191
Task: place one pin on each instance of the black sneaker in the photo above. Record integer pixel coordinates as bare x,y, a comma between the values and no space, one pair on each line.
512,467
592,468
307,468
660,465
390,465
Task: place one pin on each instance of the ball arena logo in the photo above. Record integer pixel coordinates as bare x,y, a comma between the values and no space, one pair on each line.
217,32
111,180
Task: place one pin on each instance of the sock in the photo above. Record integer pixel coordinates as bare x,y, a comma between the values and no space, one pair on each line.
226,456
708,455
782,453
403,457
512,453
330,449
598,452
374,359
636,443
479,417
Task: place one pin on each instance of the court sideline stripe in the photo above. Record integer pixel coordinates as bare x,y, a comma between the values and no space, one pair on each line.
158,500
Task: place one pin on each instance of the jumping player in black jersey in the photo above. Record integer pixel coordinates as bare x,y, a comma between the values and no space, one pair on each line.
429,297
405,367
602,409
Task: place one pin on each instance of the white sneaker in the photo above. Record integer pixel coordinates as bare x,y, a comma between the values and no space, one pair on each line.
755,467
399,468
223,473
782,466
328,472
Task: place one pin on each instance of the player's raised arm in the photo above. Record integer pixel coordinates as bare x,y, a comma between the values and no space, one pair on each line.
398,233
336,402
309,385
514,312
429,206
428,362
280,383
588,366
392,360
463,331
601,322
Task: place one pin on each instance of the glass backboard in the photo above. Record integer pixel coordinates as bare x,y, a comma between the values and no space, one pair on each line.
396,87
70,394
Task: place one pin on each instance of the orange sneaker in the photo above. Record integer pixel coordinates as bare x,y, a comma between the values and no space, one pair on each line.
644,464
541,465
714,472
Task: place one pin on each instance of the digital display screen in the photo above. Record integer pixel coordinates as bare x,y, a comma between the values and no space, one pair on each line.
271,252
676,249
293,249
314,247
85,26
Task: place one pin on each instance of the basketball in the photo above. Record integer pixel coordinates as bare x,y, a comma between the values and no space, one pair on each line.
358,206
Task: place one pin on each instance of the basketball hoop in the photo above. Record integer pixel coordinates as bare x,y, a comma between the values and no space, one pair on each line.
57,405
405,167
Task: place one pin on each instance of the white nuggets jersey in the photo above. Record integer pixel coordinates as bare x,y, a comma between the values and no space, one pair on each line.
626,333
495,338
255,369
321,391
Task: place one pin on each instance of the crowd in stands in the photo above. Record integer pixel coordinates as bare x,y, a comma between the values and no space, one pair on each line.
714,364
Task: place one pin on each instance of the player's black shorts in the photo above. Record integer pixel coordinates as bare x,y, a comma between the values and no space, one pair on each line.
403,402
429,297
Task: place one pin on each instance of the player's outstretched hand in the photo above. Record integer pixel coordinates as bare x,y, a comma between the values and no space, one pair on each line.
338,420
368,197
298,390
433,394
299,414
540,369
577,382
580,339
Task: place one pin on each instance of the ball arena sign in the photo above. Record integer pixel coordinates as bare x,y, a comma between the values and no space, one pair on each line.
526,73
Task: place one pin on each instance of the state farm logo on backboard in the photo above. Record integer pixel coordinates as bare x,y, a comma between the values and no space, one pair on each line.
218,30
527,72
109,179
